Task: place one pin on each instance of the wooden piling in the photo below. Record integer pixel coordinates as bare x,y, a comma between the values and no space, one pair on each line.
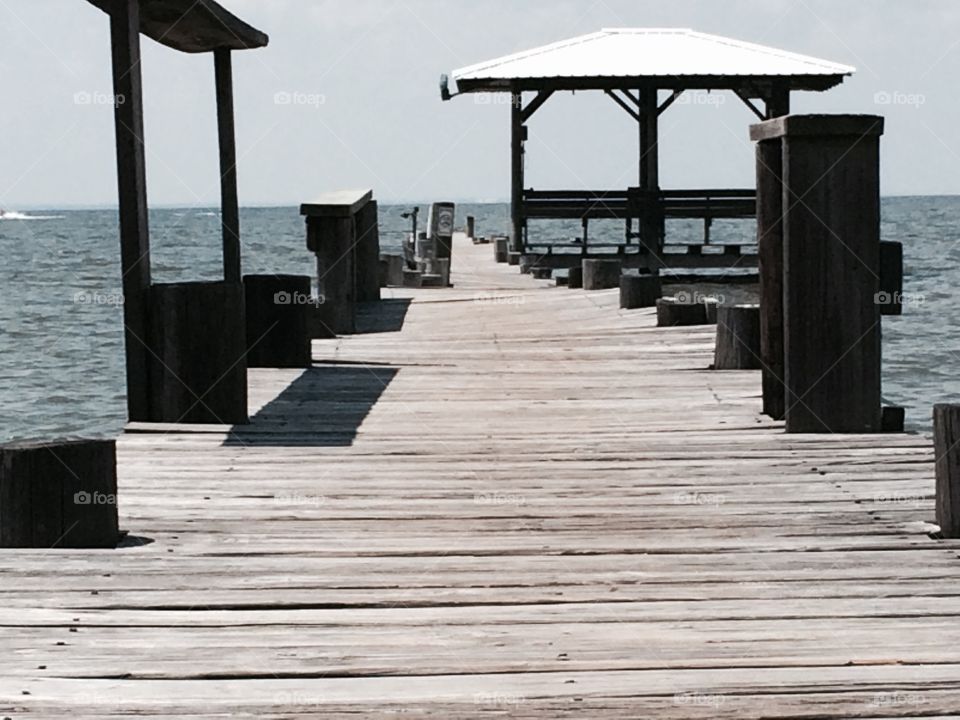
471,227
738,338
831,231
513,258
500,249
639,291
197,337
575,278
946,447
672,312
277,310
770,260
60,494
600,274
332,241
367,269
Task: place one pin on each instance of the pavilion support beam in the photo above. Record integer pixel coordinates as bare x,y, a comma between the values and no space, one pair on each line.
669,101
631,111
536,104
651,217
517,136
745,99
229,202
132,182
778,101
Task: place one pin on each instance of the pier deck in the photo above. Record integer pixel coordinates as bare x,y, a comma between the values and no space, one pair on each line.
523,503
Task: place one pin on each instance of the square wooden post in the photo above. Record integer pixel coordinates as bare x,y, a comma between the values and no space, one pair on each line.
770,262
229,201
517,137
132,184
831,247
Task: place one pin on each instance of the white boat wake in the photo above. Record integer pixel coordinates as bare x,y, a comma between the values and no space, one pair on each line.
13,215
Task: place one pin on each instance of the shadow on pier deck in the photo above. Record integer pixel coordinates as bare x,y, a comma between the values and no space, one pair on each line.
524,502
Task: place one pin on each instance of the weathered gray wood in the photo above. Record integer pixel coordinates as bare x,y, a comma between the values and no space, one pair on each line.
738,338
890,296
541,273
575,277
368,253
471,228
229,202
337,204
132,183
946,448
198,344
831,263
277,320
192,26
412,278
58,494
513,258
639,291
672,312
500,249
770,262
333,241
601,274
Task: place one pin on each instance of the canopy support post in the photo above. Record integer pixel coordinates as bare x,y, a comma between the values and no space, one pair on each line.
229,202
132,183
651,218
517,136
778,101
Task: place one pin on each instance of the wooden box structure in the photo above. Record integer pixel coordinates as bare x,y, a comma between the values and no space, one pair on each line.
644,71
820,255
342,231
191,26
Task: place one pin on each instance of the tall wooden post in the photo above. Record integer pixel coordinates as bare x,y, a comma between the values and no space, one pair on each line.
517,132
651,220
831,246
132,182
229,202
770,257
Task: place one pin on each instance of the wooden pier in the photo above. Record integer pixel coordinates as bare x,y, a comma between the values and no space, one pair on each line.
503,499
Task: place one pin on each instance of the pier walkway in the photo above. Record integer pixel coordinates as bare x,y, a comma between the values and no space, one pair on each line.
511,500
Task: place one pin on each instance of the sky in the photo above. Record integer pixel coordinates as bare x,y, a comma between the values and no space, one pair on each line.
346,95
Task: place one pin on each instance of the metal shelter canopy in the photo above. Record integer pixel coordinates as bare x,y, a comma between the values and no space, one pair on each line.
632,65
653,57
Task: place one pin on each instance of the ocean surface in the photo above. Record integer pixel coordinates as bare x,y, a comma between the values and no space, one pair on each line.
61,340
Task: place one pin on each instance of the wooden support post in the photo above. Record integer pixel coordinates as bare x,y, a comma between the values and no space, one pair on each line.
332,239
229,202
770,262
517,131
368,253
471,227
513,258
651,223
890,297
198,336
575,278
277,317
778,101
59,494
500,249
600,274
738,338
672,312
639,291
831,231
132,182
946,447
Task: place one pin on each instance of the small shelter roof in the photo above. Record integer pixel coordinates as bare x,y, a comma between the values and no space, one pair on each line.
669,58
194,26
